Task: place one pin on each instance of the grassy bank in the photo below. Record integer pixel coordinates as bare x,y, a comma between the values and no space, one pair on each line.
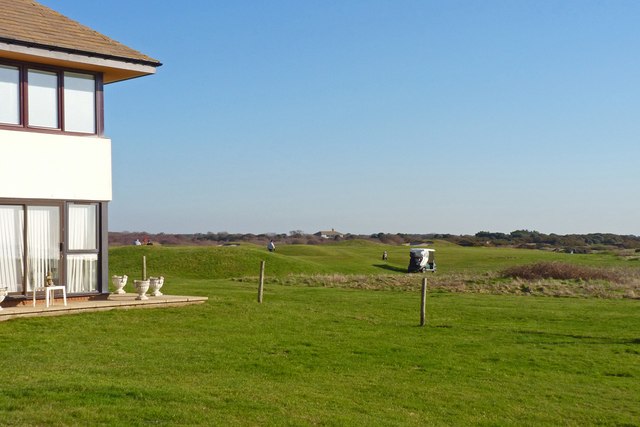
358,265
345,258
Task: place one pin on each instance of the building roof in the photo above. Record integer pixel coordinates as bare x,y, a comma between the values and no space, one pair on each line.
29,29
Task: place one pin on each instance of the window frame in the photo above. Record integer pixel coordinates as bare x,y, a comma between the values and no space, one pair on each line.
96,231
19,94
24,205
67,77
70,253
30,72
24,68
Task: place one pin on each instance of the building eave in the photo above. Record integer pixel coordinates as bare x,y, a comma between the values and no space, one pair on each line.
114,68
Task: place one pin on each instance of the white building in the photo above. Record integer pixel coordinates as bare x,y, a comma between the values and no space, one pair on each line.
329,234
55,161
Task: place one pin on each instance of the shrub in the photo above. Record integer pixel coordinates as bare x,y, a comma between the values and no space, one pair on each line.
561,271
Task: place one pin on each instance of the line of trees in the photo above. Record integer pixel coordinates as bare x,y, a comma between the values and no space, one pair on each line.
518,238
592,240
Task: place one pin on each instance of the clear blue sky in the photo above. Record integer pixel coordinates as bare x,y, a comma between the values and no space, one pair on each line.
366,116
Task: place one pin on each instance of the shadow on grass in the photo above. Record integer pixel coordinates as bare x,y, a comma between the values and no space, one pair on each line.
592,339
391,268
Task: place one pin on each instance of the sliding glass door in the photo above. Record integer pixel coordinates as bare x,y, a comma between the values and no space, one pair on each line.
30,241
57,239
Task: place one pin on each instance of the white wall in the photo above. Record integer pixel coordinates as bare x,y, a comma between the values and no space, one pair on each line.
48,166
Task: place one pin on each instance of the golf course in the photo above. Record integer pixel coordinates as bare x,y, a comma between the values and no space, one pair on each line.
337,341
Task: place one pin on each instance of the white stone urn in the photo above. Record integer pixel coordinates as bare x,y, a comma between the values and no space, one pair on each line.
142,286
156,283
3,293
119,282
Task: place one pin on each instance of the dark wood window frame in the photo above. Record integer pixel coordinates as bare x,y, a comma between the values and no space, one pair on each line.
63,205
67,249
23,70
24,204
99,250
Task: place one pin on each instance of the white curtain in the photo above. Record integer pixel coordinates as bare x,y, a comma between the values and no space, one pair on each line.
82,227
82,273
82,269
43,240
11,247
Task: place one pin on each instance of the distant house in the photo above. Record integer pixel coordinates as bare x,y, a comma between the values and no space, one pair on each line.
55,161
329,234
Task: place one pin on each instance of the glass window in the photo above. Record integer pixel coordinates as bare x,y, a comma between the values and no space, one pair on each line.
79,103
9,95
82,268
55,99
82,227
82,273
43,99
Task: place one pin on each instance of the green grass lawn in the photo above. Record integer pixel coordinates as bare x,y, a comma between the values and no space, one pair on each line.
329,356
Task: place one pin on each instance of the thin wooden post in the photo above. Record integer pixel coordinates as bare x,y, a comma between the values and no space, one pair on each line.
423,303
144,267
261,285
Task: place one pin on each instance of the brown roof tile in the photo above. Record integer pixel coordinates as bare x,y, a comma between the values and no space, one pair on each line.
27,22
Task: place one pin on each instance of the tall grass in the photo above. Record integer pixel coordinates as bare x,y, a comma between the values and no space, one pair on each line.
490,283
565,271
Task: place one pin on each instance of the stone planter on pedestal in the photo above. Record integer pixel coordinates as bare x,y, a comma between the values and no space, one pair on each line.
155,284
119,282
142,286
3,293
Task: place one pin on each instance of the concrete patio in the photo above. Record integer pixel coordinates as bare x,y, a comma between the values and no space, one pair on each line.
110,302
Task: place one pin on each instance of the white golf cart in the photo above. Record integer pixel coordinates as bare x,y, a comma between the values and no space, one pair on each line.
422,260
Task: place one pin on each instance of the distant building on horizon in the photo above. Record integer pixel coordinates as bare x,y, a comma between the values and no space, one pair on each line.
333,234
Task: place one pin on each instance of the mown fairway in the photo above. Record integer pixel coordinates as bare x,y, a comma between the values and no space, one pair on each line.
314,355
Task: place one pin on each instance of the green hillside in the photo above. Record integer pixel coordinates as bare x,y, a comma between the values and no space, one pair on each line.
351,257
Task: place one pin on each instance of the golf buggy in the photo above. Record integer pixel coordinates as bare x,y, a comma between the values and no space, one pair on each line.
422,260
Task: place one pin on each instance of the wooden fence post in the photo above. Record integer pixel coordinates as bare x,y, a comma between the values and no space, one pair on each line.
423,303
261,285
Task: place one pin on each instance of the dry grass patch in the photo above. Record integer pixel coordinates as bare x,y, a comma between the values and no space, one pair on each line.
563,271
547,279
